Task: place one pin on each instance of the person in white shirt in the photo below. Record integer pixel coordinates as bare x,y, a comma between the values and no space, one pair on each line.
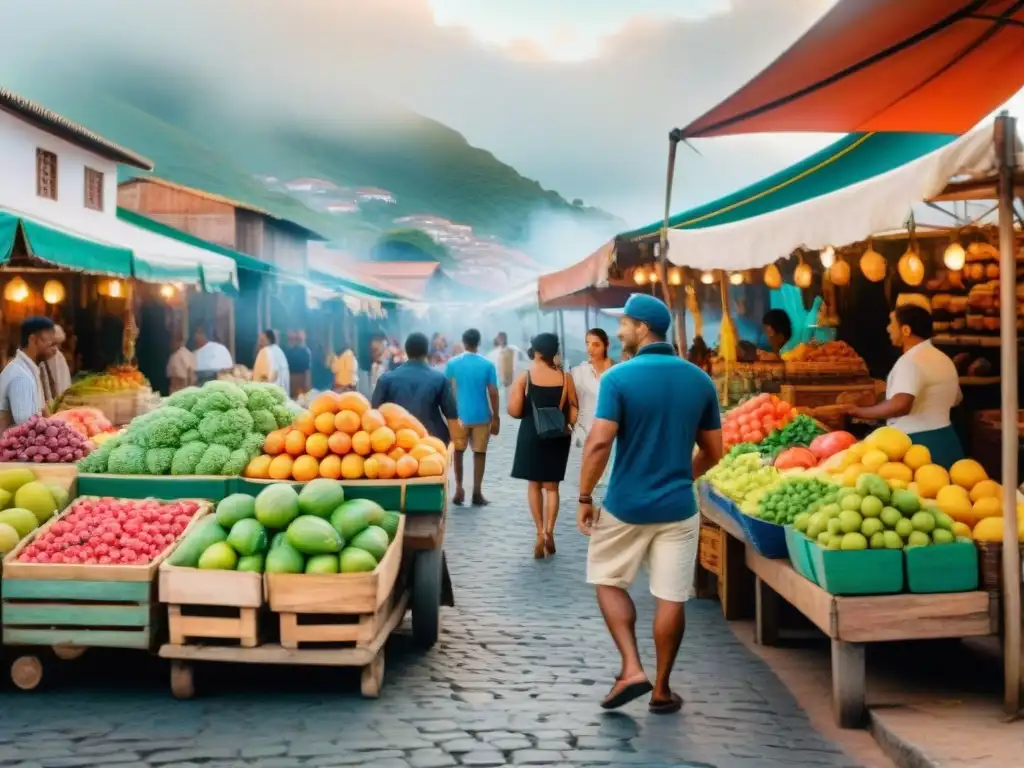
509,360
587,376
55,372
211,357
921,389
21,388
271,364
181,366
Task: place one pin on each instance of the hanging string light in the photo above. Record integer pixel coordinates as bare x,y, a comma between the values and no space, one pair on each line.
115,289
772,276
828,257
53,292
954,258
675,276
167,291
872,264
839,274
640,276
911,268
803,275
736,278
707,277
16,290
652,276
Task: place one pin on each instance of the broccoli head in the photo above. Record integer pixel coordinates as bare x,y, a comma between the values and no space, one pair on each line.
252,444
236,463
262,396
190,437
158,460
213,460
96,462
187,457
282,416
219,396
227,428
263,421
127,460
184,398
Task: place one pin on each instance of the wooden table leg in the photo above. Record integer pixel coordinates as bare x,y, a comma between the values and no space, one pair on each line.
848,684
767,605
736,584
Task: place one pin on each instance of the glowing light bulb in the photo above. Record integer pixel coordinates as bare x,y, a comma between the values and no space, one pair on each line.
17,290
53,292
167,291
736,278
954,257
675,276
707,277
828,257
640,276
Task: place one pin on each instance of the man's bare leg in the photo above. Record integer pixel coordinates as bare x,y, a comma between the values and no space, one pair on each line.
669,626
619,614
460,494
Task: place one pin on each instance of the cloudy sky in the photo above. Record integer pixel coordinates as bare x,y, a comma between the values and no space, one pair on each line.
578,94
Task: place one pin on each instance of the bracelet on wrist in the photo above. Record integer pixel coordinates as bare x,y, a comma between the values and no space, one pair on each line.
586,498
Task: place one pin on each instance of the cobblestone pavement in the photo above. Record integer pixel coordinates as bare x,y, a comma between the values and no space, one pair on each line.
516,680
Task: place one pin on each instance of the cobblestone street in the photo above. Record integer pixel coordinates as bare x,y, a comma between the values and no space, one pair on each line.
516,680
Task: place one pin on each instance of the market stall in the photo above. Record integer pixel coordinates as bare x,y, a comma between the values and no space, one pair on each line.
328,527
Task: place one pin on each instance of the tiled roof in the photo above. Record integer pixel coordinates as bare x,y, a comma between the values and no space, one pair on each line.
47,120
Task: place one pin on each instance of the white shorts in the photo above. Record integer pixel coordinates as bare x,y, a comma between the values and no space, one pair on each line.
669,550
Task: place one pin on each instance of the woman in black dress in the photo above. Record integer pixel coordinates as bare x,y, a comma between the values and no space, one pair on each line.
541,461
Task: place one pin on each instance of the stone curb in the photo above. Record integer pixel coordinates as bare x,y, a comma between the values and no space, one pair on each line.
902,752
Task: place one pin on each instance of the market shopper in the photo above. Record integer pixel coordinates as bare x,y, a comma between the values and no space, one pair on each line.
779,330
544,399
55,372
586,376
922,388
506,359
181,366
21,388
655,409
345,370
300,363
422,391
271,364
475,383
212,357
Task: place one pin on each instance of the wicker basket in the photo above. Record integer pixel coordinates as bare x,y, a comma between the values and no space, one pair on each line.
990,562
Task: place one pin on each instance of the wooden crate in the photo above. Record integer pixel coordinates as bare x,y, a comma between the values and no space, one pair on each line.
106,606
64,475
211,606
336,608
711,547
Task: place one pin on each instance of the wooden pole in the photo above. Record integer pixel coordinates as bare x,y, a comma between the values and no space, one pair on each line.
674,138
1005,148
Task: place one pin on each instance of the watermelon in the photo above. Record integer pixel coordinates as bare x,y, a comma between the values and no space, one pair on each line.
313,535
320,497
248,537
277,505
237,506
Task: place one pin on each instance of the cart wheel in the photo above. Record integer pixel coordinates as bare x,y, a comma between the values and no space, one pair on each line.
183,684
68,652
27,672
372,677
426,597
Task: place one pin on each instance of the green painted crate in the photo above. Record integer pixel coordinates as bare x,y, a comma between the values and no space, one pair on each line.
799,547
943,568
210,487
860,572
421,496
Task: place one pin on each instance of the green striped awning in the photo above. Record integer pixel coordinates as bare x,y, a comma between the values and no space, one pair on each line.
852,159
57,246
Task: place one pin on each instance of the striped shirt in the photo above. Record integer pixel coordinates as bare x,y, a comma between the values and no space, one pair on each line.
20,389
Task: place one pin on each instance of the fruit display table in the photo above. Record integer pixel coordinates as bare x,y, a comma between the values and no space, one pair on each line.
852,622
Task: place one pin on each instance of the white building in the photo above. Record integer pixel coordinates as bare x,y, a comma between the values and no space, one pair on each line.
61,177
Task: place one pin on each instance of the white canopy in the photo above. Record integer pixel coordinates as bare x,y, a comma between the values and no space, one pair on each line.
878,204
523,297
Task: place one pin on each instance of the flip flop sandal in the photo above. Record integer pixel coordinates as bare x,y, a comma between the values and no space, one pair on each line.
669,707
623,696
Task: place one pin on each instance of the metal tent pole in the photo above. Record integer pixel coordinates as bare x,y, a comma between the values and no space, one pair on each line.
1005,148
674,137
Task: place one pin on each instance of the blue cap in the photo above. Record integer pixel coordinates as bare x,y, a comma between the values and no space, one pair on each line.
649,310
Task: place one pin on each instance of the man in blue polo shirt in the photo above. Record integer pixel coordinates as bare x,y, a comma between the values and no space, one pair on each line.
655,408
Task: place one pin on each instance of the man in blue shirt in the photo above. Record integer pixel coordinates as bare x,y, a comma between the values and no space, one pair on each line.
21,388
656,408
475,381
422,391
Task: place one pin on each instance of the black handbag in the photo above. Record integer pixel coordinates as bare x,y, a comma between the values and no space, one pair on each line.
548,422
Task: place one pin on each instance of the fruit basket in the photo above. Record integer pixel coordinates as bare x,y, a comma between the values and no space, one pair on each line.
799,548
168,488
413,496
858,572
949,568
769,539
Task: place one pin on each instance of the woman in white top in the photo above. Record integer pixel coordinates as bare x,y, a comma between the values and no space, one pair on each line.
271,365
921,389
587,376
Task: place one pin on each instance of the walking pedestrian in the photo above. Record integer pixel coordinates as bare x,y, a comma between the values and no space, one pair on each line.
475,382
422,391
655,409
544,399
586,377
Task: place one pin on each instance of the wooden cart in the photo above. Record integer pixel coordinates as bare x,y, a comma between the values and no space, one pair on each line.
314,614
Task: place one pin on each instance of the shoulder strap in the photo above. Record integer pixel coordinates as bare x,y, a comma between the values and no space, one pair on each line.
565,392
527,383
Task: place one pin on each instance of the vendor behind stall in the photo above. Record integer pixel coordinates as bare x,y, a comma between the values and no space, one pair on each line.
211,357
921,389
779,330
21,388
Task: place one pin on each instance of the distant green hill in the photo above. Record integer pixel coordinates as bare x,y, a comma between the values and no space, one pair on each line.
427,166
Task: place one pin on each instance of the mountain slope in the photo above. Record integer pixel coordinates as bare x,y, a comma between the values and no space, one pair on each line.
195,140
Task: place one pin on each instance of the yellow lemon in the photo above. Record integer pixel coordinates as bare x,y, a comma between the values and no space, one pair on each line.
986,489
850,475
962,530
895,470
874,459
967,473
917,457
954,501
891,440
930,479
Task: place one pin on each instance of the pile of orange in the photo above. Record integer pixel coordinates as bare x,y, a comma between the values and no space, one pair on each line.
342,437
